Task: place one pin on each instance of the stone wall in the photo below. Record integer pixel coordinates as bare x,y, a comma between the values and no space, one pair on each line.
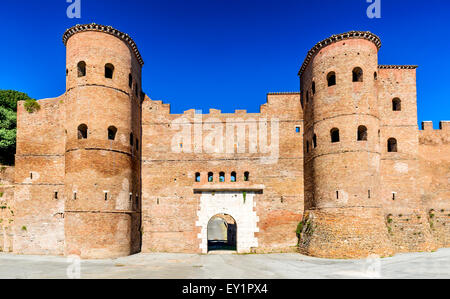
434,153
39,179
6,210
171,160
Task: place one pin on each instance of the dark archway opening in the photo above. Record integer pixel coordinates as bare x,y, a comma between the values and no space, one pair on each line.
222,233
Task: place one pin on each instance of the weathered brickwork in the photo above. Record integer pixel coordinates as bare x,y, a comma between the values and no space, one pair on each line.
6,210
104,171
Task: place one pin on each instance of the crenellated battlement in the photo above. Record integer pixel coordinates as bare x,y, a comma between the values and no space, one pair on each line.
429,135
275,103
443,126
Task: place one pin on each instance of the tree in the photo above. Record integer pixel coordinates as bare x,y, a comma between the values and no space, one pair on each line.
8,122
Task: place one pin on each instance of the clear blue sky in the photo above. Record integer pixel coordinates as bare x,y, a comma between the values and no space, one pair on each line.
226,54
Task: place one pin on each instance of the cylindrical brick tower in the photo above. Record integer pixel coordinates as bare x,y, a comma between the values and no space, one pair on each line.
343,212
102,160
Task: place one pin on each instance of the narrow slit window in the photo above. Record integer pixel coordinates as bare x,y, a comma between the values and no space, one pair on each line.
82,131
56,195
112,132
109,71
396,104
233,177
392,145
246,176
81,68
357,74
335,135
331,79
362,133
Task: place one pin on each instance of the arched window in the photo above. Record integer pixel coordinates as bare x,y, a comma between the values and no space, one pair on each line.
131,139
109,71
362,133
82,131
335,135
392,145
331,78
396,104
222,177
130,80
210,177
313,88
247,176
357,74
315,141
233,177
198,177
112,131
81,69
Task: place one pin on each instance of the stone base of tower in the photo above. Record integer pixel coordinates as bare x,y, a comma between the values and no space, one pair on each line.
345,233
412,232
101,235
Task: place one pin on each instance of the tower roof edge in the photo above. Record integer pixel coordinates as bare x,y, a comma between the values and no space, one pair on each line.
105,29
336,38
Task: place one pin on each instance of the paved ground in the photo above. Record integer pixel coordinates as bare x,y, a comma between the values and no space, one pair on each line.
272,266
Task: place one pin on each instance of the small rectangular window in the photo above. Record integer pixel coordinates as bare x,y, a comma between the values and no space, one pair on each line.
297,129
393,195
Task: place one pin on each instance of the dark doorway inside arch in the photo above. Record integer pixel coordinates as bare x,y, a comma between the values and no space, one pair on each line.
222,233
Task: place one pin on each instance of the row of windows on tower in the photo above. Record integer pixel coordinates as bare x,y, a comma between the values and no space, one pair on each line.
362,135
109,74
112,133
396,103
233,177
357,76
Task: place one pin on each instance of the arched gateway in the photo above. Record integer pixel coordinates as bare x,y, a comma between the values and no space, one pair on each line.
222,233
228,221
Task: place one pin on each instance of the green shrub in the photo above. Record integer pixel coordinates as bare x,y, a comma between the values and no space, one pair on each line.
32,106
